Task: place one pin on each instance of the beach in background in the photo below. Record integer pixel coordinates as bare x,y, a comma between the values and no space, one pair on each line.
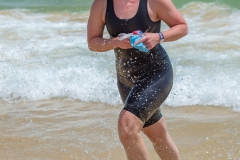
58,100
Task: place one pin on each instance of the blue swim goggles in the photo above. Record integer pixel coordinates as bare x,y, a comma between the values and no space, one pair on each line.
134,36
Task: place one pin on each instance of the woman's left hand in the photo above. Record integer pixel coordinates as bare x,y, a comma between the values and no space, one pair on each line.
150,40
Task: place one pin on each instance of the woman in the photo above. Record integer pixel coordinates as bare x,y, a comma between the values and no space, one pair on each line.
144,79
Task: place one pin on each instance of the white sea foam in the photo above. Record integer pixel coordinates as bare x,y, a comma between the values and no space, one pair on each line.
45,56
206,61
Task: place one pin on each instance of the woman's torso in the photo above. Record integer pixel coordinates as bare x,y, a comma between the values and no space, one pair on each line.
131,64
120,18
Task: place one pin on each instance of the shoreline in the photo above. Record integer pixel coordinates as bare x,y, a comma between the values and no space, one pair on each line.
63,129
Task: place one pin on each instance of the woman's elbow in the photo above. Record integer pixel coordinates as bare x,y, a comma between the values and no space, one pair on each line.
90,47
93,45
94,48
185,30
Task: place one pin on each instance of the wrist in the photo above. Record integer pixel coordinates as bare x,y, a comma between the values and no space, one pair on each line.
115,42
161,37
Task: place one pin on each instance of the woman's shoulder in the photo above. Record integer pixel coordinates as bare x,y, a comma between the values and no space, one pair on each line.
162,7
99,6
162,4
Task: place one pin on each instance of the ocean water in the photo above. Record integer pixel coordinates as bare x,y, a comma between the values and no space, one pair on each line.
44,54
58,100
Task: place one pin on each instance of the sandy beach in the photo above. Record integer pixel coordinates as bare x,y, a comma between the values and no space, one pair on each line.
65,129
45,60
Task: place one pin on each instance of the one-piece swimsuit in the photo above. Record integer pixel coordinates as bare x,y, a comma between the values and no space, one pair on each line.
144,79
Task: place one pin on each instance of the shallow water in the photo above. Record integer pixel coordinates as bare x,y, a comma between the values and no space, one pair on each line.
45,56
60,101
63,129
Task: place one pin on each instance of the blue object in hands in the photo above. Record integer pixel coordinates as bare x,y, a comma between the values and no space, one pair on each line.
140,46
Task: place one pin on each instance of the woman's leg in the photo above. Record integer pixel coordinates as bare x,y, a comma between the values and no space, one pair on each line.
162,142
129,127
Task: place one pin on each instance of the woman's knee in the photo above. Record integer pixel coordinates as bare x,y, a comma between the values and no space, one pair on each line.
128,126
157,131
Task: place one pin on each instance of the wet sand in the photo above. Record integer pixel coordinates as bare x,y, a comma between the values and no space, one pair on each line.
65,130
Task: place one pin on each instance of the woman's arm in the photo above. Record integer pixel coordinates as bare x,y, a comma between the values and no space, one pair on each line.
95,28
171,16
167,12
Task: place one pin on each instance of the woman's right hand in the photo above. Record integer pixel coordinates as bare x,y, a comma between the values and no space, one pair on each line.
123,44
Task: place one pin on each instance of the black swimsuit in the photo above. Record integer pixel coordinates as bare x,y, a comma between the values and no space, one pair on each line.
144,79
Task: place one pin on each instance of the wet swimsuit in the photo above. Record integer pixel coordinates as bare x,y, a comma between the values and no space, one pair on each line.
144,79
